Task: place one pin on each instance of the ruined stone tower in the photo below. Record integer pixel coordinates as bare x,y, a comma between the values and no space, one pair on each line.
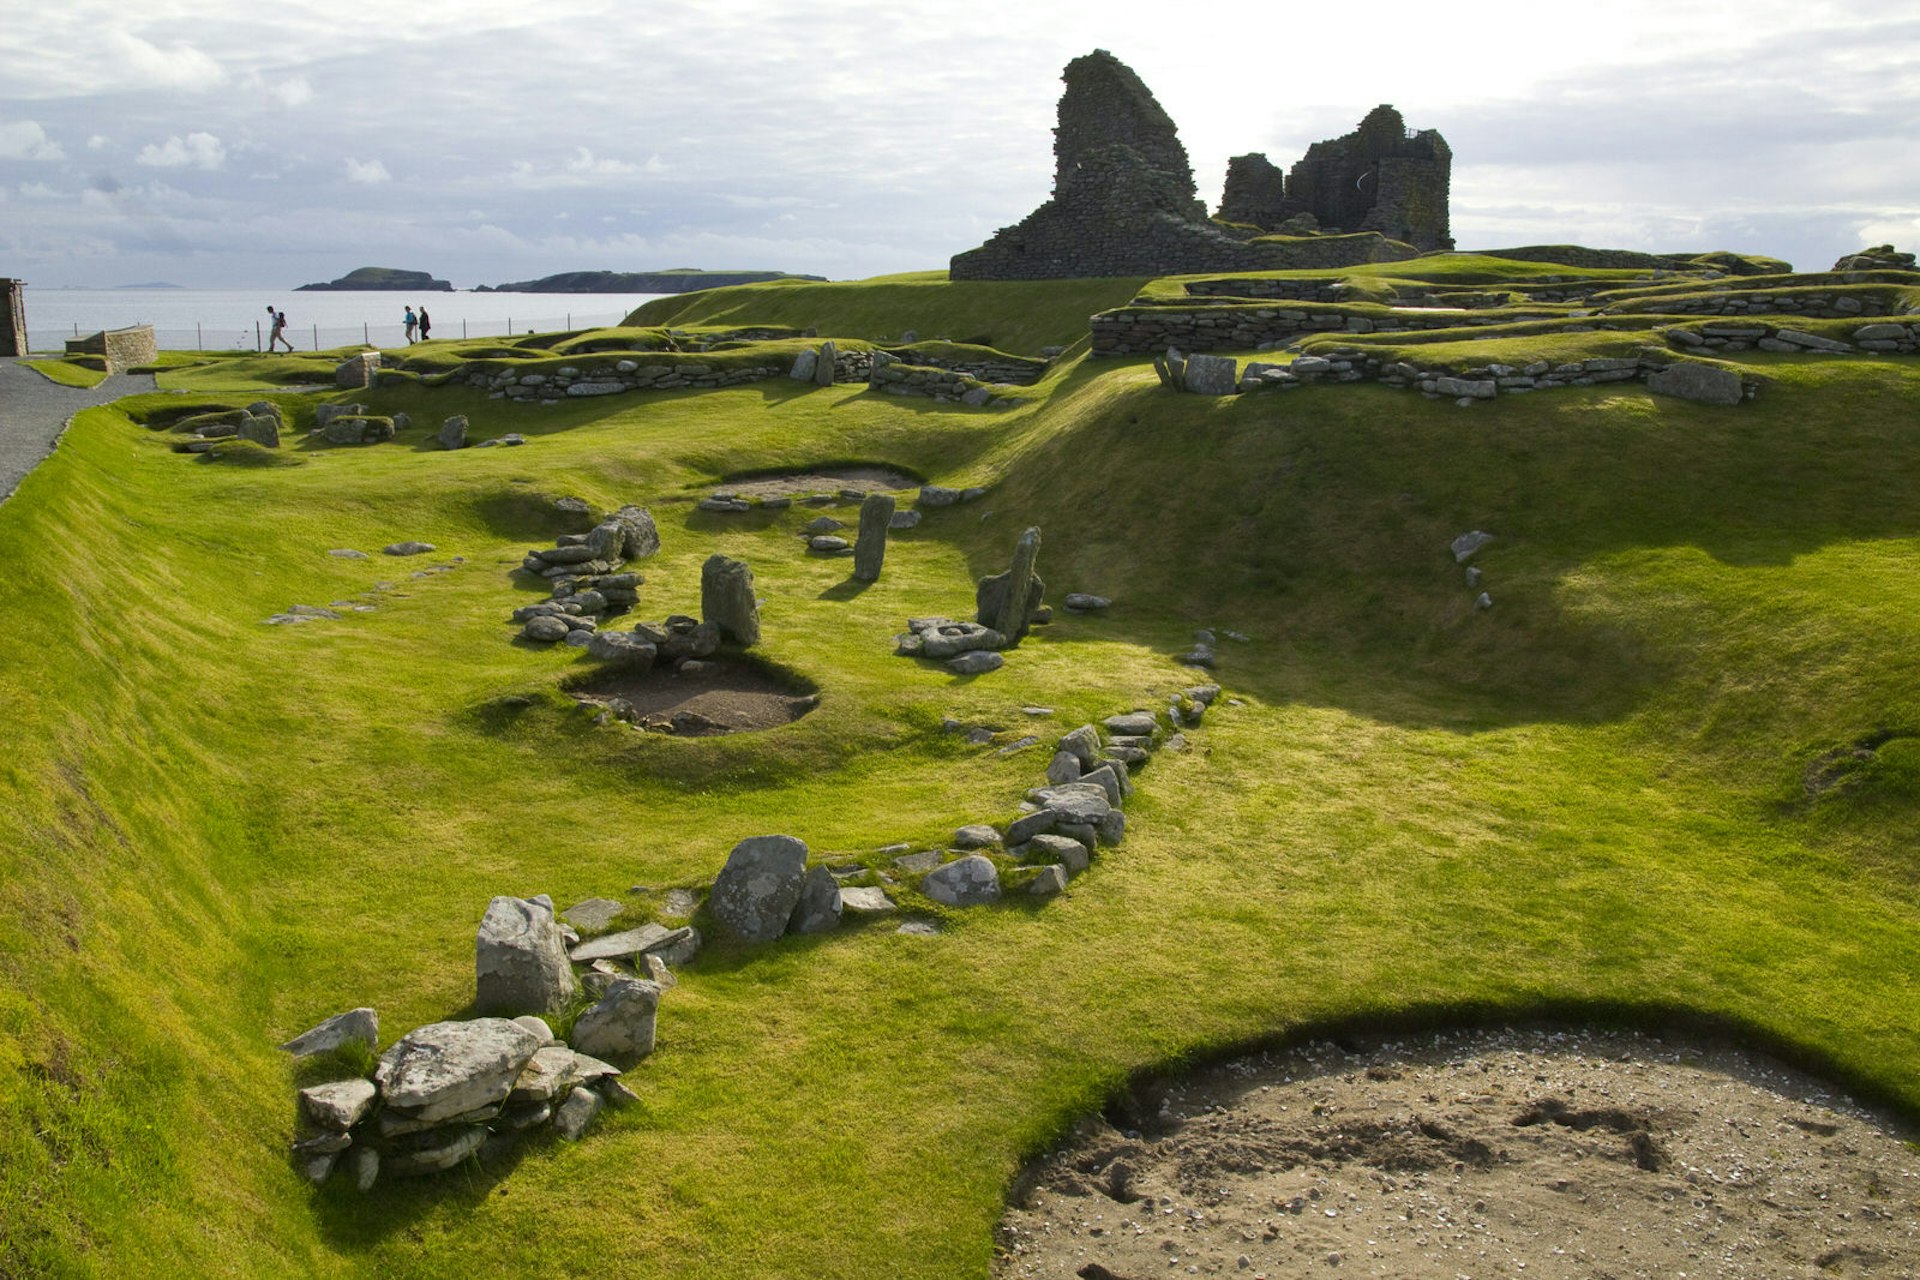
1379,178
1106,104
1124,202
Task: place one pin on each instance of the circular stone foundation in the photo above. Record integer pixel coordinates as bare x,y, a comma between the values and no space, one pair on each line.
702,698
1563,1153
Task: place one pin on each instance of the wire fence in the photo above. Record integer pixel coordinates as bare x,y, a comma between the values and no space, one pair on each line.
254,335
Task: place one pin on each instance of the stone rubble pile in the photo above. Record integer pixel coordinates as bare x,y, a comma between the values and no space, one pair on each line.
260,422
450,1091
893,376
352,424
1006,605
590,581
1464,548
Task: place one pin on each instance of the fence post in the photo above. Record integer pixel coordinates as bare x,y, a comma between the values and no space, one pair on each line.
199,343
256,336
463,327
316,337
365,341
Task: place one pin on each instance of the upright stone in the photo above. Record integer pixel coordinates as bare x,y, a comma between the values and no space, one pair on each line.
727,600
876,515
520,959
755,893
823,369
356,371
1017,605
643,536
453,432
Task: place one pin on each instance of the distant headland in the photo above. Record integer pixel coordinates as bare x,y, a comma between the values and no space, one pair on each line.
387,278
674,280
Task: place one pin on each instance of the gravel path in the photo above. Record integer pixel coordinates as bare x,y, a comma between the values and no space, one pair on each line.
34,411
1567,1153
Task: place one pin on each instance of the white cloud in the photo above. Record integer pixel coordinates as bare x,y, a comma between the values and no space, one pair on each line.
371,173
26,140
655,164
583,162
38,191
178,66
195,151
287,90
96,141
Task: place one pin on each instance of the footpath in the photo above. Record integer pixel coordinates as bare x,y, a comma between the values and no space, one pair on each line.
34,412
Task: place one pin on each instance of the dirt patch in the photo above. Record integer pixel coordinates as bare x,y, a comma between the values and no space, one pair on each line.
824,480
1561,1153
702,698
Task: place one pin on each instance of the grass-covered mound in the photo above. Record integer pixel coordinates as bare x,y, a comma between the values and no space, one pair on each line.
1670,770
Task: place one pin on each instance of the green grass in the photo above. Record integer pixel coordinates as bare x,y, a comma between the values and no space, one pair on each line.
1015,316
80,371
1587,800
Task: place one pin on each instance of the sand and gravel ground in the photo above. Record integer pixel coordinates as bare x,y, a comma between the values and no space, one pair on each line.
1538,1152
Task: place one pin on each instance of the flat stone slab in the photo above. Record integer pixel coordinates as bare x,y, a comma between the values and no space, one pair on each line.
446,1069
362,1025
594,913
629,942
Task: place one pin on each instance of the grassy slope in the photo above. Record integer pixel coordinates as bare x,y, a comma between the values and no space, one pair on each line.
1021,317
88,371
217,832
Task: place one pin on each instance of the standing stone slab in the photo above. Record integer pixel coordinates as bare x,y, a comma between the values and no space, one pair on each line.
576,1113
818,910
447,1069
1212,375
520,959
643,536
823,368
621,1026
876,514
453,432
1013,599
757,890
1706,383
727,600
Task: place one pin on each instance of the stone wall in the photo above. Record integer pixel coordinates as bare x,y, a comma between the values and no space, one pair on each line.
1140,330
13,318
1106,104
1829,303
123,348
1380,177
1255,191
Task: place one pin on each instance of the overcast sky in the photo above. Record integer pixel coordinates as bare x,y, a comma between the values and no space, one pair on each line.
215,145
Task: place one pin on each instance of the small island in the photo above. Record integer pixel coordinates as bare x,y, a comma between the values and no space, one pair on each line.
388,279
674,280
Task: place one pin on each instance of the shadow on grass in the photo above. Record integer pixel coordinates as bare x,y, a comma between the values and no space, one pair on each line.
851,589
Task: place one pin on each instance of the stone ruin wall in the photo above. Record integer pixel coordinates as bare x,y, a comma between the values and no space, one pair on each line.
123,348
1124,201
13,318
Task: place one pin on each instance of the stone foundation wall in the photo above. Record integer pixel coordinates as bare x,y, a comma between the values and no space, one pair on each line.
1833,305
1140,330
123,348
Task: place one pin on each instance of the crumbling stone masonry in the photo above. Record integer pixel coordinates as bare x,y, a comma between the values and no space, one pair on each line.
1124,202
1380,177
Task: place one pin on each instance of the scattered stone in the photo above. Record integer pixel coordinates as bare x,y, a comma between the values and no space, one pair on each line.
1467,544
1483,601
1474,575
1018,745
818,910
520,959
933,495
1081,602
576,1113
453,432
625,944
1134,724
976,663
1705,383
827,544
926,860
823,524
621,648
548,1075
757,890
348,553
621,1025
537,1026
363,1165
355,1026
976,836
727,599
964,882
546,628
1084,745
1064,767
919,929
594,913
445,1069
409,548
1065,850
1048,882
1006,602
866,900
338,1106
434,1151
904,520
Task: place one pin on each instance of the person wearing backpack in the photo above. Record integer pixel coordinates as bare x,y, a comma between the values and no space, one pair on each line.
411,323
278,328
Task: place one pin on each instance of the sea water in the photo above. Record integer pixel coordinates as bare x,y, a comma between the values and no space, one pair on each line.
236,319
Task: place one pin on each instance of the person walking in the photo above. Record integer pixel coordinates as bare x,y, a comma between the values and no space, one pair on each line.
411,323
425,323
279,334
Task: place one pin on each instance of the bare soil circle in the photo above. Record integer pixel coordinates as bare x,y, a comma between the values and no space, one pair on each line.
867,479
703,698
1540,1152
